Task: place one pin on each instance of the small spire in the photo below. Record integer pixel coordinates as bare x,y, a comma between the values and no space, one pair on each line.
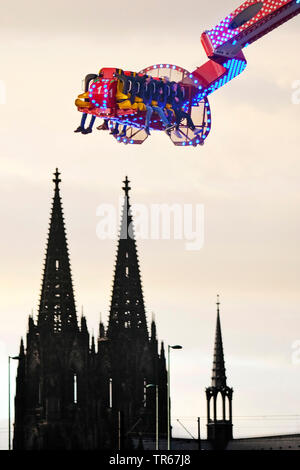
218,374
93,349
30,324
83,325
21,353
218,304
101,330
57,179
126,188
162,350
153,328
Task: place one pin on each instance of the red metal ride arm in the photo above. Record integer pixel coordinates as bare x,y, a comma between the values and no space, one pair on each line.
252,20
223,44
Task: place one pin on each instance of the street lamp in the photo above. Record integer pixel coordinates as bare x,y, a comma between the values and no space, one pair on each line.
156,413
176,346
9,416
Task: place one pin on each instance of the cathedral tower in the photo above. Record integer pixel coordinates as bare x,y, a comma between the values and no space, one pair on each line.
133,364
71,394
51,404
219,396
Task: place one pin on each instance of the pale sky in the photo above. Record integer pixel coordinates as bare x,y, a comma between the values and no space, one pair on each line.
246,175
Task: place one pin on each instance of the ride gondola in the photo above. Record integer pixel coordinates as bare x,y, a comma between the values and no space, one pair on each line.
117,96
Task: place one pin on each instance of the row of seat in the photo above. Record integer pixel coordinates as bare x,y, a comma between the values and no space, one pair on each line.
134,93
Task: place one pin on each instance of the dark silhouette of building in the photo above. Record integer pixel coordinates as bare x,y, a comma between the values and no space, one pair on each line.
219,396
52,399
70,396
127,357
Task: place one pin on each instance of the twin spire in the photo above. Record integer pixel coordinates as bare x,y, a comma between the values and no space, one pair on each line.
127,312
57,311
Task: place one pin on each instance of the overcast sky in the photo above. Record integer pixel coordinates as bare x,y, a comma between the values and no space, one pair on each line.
246,176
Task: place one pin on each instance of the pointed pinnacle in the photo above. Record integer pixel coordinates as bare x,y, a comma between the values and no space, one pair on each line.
126,188
56,180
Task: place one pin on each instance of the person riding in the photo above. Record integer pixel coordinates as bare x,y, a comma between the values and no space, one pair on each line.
83,102
177,103
168,99
115,130
150,98
81,127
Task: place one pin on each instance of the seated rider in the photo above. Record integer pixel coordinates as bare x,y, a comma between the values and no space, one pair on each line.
103,126
177,102
80,102
168,99
116,131
137,93
150,97
89,129
122,94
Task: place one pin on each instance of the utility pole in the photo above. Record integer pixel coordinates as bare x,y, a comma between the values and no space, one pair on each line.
9,414
199,437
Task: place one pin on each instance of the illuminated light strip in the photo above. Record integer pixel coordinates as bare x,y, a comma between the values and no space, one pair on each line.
222,34
235,67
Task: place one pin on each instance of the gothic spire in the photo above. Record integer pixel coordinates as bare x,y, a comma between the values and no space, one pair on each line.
22,351
153,328
218,372
127,311
57,310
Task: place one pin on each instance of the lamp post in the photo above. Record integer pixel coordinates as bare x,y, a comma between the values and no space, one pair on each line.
156,413
9,416
177,346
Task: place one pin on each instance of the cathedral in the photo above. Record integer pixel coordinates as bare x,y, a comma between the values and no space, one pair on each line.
75,392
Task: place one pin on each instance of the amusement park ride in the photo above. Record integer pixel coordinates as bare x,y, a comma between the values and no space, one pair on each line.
107,95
